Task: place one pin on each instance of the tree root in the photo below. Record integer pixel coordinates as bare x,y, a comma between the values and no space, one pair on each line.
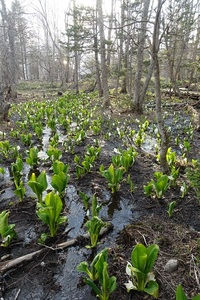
7,265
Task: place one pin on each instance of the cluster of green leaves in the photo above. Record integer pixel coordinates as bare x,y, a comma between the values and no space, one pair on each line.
193,174
85,198
60,178
120,165
85,166
32,158
171,157
54,140
113,175
140,270
171,208
140,136
38,130
157,187
49,212
94,224
54,153
96,125
16,170
38,184
125,159
6,149
7,230
97,275
51,122
26,139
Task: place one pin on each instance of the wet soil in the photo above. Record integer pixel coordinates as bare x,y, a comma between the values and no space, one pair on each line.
135,218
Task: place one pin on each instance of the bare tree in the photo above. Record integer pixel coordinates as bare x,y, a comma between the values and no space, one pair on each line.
9,67
179,22
142,37
103,54
96,55
160,122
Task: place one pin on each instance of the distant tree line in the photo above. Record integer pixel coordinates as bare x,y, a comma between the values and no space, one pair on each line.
115,50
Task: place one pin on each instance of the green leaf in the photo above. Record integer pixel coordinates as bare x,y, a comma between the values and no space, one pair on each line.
49,212
152,289
59,182
162,183
197,297
171,208
152,252
94,226
20,191
38,184
59,166
42,179
83,267
112,284
7,231
139,257
180,295
93,286
4,221
148,189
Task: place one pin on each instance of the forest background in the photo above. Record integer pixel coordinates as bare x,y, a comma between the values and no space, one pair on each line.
113,41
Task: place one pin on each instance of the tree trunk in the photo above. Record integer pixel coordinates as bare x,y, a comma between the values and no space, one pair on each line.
9,62
160,121
103,55
96,53
4,107
138,101
109,36
76,58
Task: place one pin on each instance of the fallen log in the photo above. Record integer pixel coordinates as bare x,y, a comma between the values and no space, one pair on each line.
7,265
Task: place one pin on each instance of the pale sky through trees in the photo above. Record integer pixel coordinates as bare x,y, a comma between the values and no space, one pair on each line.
57,8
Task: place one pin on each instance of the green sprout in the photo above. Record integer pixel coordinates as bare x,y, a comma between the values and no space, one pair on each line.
98,278
16,170
32,159
59,182
180,295
7,231
171,208
113,175
140,270
50,212
157,188
38,184
54,153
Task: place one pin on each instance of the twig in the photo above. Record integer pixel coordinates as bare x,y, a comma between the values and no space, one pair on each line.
17,294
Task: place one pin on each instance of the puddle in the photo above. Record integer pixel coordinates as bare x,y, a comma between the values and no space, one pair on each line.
42,155
29,235
115,209
118,211
7,192
149,145
45,138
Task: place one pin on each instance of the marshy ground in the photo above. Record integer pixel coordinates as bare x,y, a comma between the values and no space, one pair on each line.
135,216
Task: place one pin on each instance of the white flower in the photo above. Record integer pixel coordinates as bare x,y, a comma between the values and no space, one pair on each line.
128,269
150,277
130,286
